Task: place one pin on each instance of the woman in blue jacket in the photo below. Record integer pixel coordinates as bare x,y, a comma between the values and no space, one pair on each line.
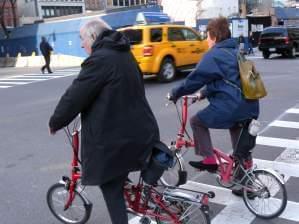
218,73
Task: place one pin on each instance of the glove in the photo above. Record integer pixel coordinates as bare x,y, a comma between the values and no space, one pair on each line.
171,97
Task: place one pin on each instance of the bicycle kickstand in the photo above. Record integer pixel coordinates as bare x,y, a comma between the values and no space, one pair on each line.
145,220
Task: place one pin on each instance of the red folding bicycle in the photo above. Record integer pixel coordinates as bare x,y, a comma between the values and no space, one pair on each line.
264,191
68,201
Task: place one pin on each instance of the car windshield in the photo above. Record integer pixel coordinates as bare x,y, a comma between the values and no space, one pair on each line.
134,35
274,32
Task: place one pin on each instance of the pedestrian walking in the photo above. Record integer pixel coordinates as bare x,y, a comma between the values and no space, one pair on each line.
250,43
242,44
119,129
46,49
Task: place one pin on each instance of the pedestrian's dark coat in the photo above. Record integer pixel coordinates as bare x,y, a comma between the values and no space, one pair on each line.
45,48
118,126
227,104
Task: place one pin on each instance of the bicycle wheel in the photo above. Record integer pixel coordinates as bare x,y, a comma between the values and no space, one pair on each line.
78,212
265,194
171,177
187,213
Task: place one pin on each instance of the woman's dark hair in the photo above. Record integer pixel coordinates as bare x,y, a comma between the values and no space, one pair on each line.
219,28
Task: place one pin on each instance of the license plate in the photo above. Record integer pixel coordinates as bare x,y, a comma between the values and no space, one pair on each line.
272,49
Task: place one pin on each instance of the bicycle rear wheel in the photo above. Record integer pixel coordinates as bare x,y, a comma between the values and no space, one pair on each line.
187,213
78,212
265,194
171,176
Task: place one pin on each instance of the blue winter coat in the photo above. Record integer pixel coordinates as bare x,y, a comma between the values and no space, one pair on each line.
227,104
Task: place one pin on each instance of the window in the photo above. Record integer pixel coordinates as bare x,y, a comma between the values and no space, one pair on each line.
189,34
115,3
126,2
132,2
156,35
135,36
121,2
175,34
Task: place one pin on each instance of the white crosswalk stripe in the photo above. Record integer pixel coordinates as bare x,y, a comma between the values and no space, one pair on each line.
235,211
35,77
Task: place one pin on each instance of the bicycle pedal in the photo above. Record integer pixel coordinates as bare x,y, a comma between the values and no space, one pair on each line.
145,220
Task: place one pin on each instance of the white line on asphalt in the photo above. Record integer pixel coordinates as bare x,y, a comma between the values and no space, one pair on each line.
287,169
44,76
235,206
14,83
136,219
285,124
23,79
293,111
277,142
5,86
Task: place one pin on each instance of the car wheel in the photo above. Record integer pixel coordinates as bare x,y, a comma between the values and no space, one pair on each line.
167,70
292,52
266,54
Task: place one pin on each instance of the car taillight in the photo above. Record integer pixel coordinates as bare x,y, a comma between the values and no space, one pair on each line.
148,51
286,40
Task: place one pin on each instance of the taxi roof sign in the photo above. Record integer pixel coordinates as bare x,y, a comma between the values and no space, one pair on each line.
152,18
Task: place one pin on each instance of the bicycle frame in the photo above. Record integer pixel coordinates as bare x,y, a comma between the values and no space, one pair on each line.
142,209
75,173
225,162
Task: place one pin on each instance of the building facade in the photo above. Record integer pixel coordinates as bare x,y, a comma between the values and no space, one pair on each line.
7,13
94,5
31,10
191,10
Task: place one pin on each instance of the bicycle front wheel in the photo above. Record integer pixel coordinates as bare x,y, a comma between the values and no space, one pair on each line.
171,176
265,194
79,210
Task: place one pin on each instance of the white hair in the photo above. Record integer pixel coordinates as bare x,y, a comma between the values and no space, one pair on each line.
94,28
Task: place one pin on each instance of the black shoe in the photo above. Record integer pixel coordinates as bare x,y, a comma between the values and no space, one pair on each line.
42,70
201,166
50,72
239,193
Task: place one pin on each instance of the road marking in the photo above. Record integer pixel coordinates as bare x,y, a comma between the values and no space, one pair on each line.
277,142
293,111
23,79
14,83
5,86
136,219
287,169
285,124
235,206
44,76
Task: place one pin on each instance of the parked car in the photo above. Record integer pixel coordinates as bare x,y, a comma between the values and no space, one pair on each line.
162,49
281,40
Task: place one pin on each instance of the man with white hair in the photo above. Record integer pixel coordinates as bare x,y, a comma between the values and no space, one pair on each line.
119,129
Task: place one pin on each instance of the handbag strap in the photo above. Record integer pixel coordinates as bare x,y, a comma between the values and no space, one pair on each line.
226,80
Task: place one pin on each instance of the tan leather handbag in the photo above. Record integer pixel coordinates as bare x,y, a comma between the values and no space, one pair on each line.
251,82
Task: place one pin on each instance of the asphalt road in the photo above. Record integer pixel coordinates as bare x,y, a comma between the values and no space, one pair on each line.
31,160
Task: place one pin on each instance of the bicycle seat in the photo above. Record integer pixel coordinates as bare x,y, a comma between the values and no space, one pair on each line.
243,123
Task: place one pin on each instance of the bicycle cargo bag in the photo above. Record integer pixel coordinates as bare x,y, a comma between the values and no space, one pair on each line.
160,160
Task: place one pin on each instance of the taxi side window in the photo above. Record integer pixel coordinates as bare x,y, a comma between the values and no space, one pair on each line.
156,35
175,34
189,35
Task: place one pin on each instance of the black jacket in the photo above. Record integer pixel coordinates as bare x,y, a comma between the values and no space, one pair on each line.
45,48
118,126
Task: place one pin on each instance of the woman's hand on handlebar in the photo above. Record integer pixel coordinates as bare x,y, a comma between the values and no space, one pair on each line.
171,97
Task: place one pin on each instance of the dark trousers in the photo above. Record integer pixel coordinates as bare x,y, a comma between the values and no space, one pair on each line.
202,137
47,65
114,197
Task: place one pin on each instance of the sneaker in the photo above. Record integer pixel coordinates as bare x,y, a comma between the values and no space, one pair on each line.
201,165
42,70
